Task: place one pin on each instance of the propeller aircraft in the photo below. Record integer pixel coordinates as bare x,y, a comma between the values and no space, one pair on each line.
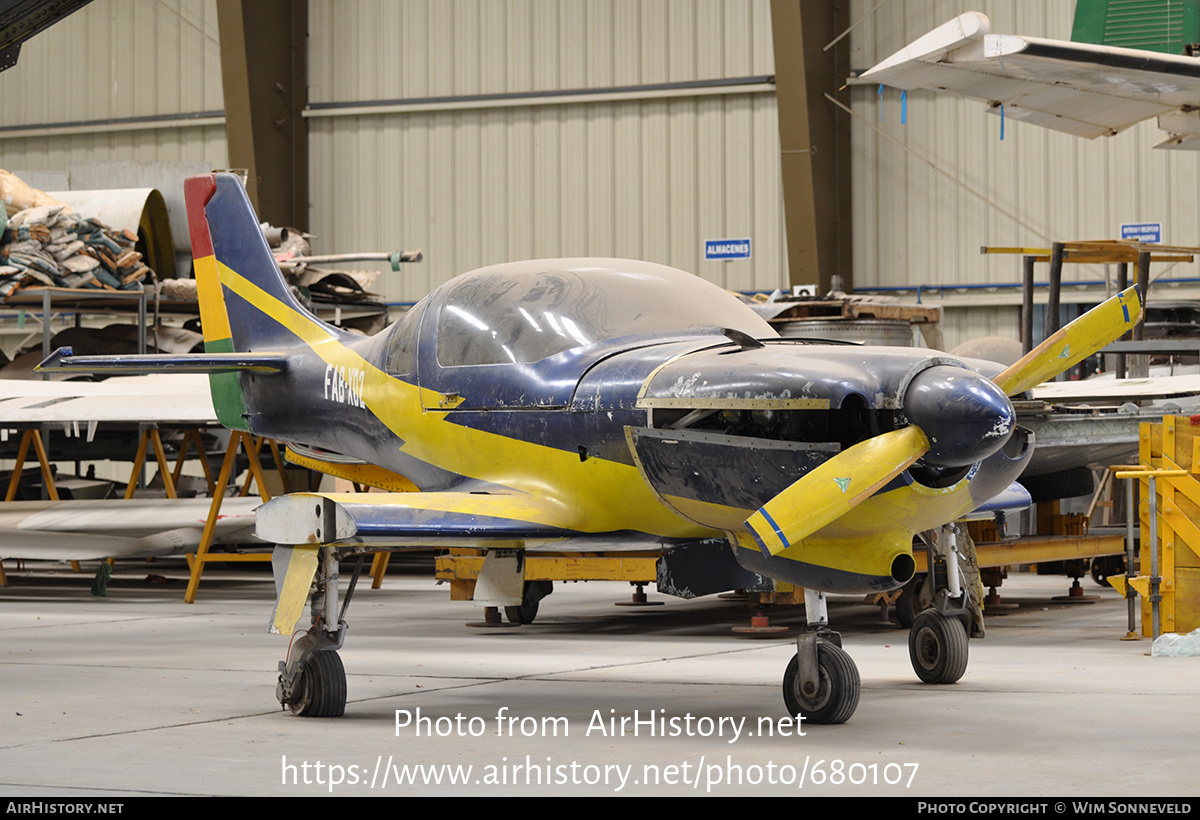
560,404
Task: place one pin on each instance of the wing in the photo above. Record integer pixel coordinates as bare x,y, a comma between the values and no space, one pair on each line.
414,520
303,522
1079,88
117,528
177,399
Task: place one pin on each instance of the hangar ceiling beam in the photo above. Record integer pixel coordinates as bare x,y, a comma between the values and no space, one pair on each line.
814,141
264,73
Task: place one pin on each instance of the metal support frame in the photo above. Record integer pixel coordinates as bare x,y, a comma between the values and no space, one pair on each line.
1150,586
1168,577
49,296
251,446
150,436
33,436
1122,284
1027,263
1053,320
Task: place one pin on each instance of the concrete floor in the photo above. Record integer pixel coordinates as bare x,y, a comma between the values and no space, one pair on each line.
141,694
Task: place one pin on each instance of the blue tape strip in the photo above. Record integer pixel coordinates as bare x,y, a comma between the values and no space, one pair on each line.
903,107
1002,121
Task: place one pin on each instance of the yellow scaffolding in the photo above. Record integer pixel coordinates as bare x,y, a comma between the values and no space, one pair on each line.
1168,579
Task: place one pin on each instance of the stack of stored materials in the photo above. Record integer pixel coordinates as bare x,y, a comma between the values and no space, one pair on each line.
45,244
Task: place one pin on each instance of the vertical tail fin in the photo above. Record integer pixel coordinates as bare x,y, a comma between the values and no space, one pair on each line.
236,274
245,303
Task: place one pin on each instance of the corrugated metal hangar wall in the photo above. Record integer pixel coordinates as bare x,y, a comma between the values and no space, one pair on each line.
430,125
477,168
467,157
921,214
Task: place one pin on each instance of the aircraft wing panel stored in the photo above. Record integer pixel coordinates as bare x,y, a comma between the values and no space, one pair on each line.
1078,88
178,399
117,528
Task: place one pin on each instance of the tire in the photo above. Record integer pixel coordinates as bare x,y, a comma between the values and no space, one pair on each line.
837,697
937,647
523,614
322,686
1106,566
533,593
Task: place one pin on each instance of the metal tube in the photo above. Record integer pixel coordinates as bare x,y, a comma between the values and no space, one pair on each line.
1152,511
1139,331
1131,488
1027,304
1122,284
331,589
950,550
1056,263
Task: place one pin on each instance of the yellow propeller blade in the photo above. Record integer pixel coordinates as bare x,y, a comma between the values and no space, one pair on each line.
1074,343
823,495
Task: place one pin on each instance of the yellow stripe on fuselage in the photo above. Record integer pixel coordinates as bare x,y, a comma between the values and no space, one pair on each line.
593,495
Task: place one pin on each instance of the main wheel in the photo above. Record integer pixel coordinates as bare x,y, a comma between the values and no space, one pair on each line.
937,647
322,691
837,694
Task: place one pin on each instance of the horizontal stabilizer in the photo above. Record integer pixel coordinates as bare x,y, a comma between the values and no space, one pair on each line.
64,359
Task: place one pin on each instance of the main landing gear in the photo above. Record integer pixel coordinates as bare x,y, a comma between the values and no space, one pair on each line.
937,640
312,682
821,682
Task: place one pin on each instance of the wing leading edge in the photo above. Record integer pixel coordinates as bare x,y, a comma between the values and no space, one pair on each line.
1078,88
304,522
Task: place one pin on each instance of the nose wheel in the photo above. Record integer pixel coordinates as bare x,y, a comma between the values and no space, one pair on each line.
821,682
318,686
833,697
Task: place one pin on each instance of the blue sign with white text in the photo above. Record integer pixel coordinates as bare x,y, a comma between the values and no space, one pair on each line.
1142,231
727,248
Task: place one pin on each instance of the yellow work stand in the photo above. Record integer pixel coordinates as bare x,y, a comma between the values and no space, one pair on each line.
1168,578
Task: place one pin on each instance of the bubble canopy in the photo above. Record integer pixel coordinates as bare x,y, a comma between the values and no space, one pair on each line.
527,311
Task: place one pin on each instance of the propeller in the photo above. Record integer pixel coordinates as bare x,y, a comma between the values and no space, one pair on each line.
957,417
1072,344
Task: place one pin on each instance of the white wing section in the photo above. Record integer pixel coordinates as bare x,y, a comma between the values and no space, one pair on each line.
118,528
179,399
1079,88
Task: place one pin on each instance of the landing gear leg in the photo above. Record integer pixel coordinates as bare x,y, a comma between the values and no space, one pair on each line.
821,682
937,641
312,682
